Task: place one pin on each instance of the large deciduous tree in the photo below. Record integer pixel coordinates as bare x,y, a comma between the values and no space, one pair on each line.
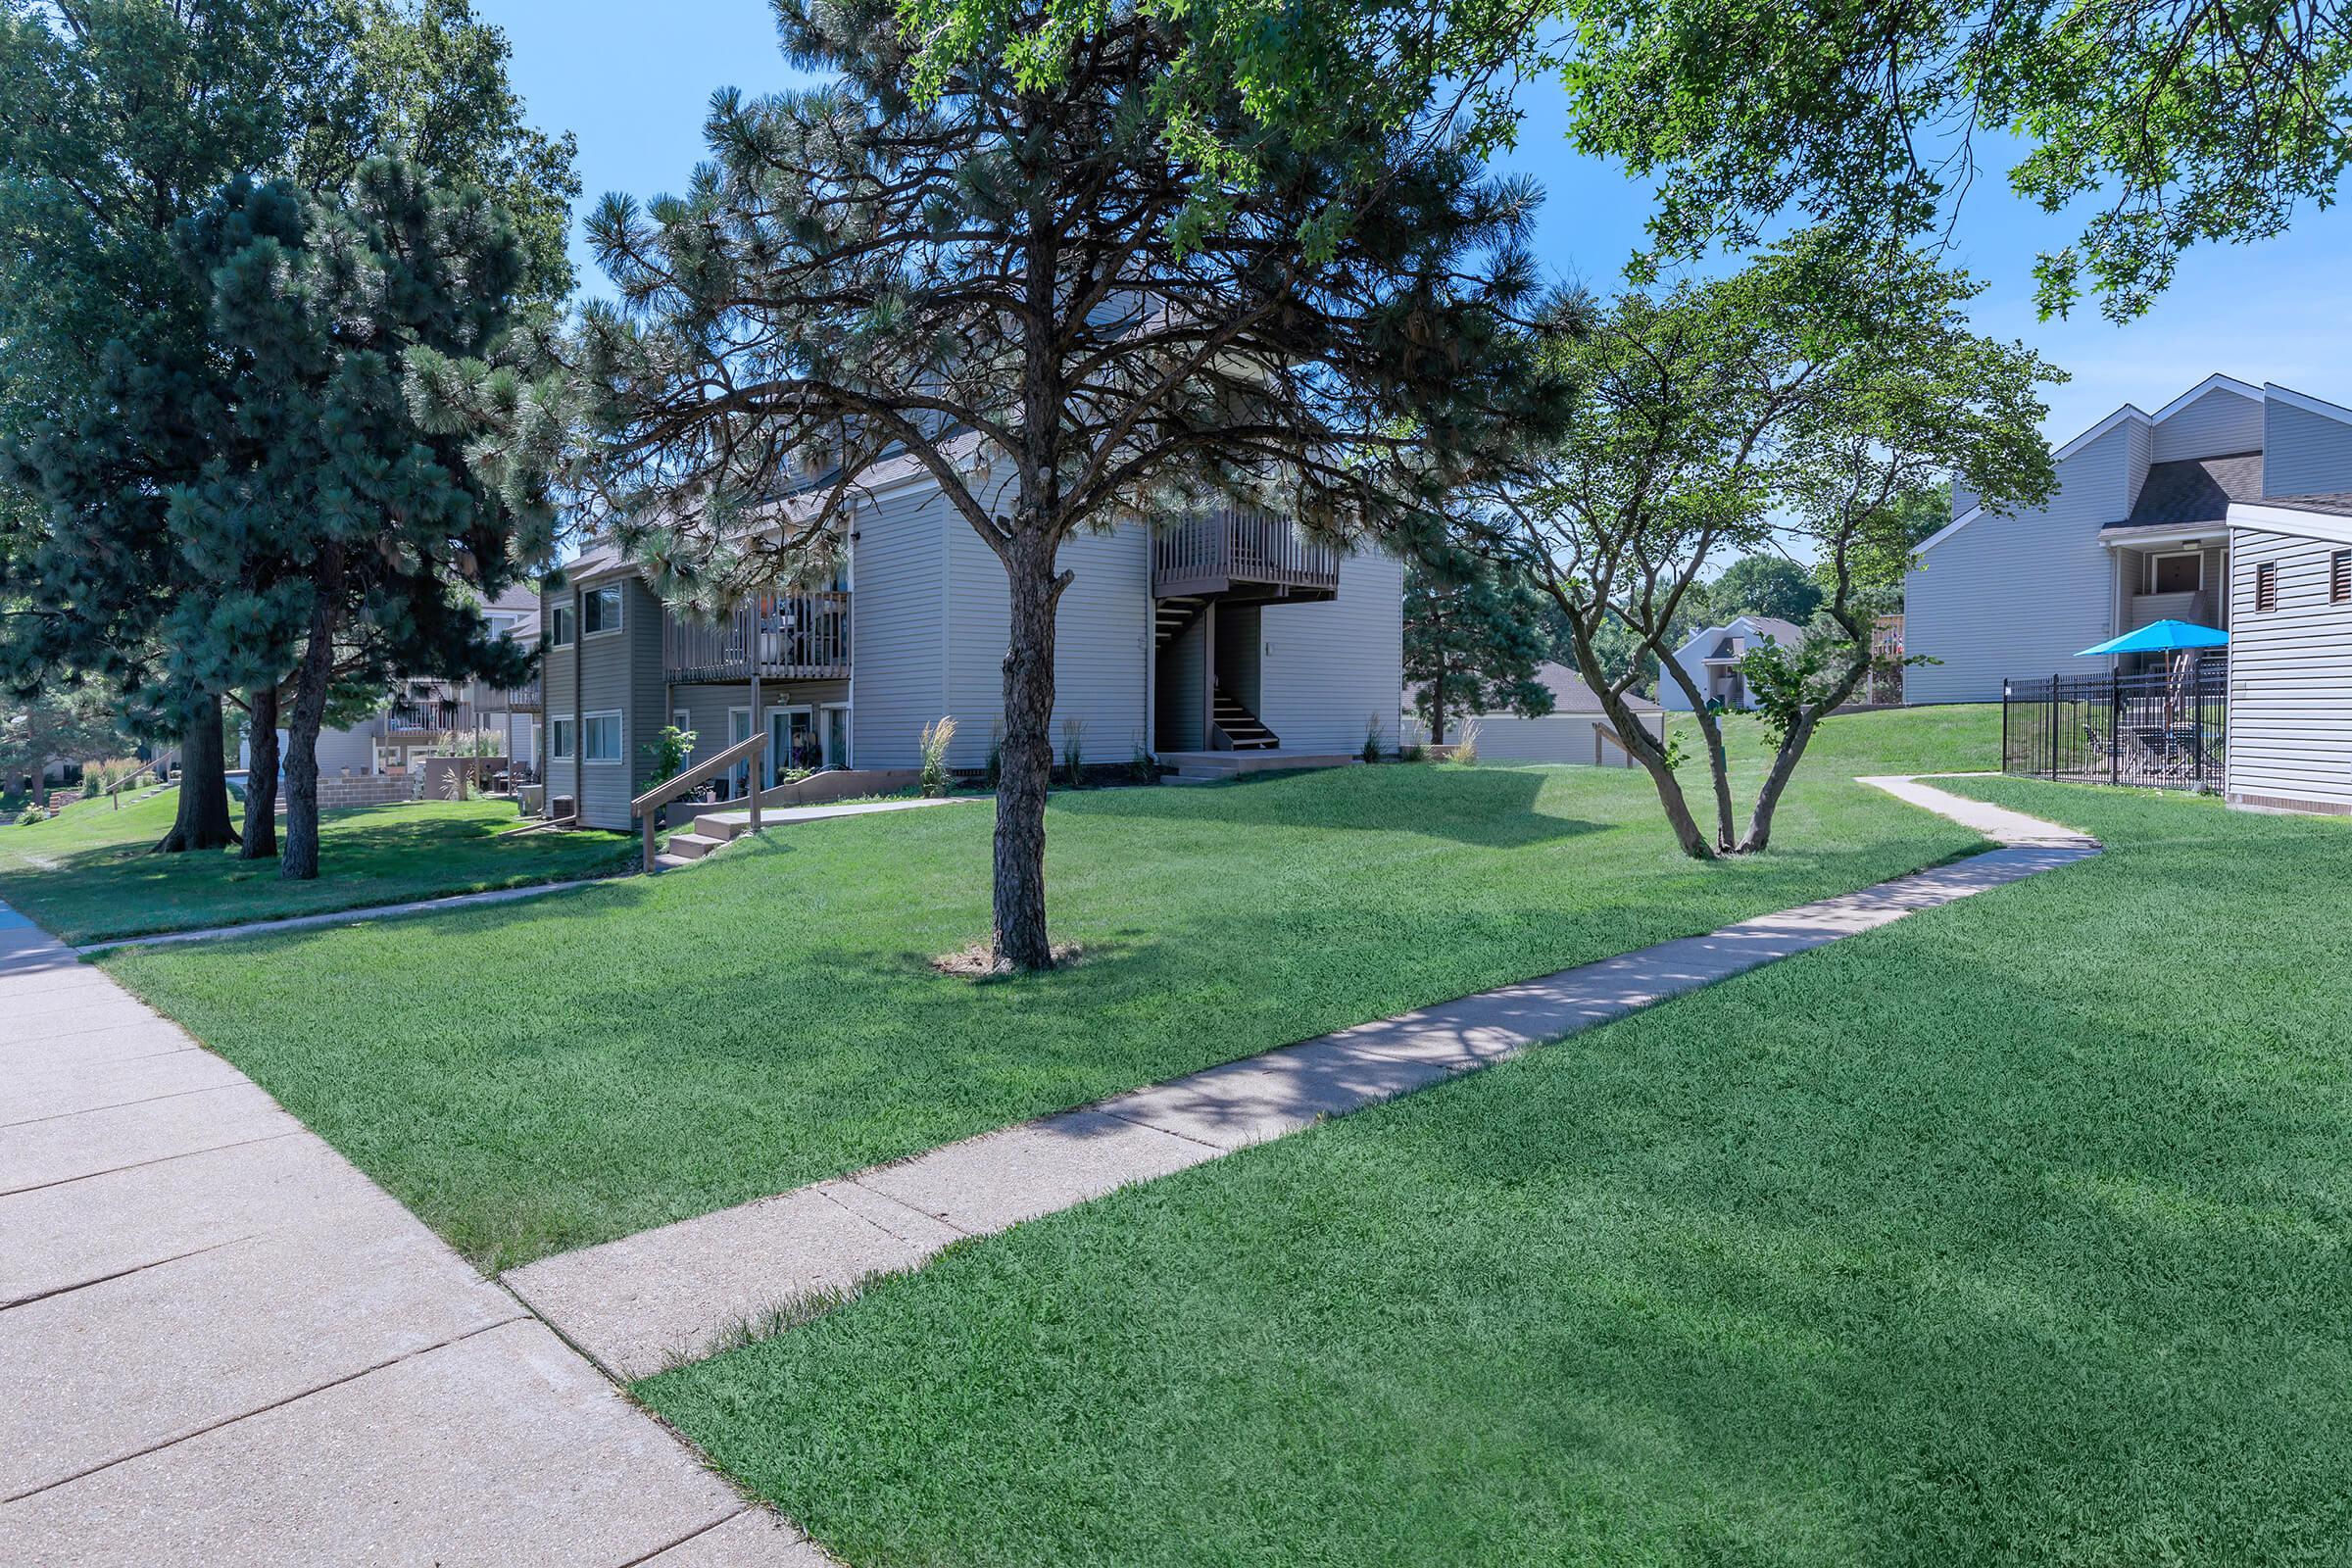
1014,287
1808,394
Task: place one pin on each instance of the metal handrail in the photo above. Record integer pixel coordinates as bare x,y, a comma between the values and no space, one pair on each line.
753,750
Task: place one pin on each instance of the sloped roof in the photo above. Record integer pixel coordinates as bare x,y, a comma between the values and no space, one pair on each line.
2335,503
2195,490
1780,631
1571,693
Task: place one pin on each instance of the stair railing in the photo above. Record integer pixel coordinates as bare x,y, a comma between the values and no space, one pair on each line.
753,751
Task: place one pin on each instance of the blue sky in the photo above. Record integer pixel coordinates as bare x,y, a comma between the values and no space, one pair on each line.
632,83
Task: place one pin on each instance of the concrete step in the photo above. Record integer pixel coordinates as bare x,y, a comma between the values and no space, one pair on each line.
670,862
724,826
694,846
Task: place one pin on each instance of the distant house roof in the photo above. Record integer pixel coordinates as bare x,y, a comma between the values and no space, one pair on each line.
1570,692
1786,633
2195,490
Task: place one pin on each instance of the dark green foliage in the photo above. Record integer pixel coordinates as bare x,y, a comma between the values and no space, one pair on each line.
336,523
1764,585
123,412
1475,633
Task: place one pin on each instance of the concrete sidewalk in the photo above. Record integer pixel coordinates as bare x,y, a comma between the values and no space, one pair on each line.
224,1345
686,1291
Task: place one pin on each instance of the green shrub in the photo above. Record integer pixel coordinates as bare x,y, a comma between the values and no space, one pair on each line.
1141,767
1074,750
1371,751
1465,746
936,780
31,814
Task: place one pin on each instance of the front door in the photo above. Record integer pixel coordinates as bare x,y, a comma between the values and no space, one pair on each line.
837,737
791,741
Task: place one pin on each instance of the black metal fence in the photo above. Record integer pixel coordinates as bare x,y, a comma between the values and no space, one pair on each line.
2153,732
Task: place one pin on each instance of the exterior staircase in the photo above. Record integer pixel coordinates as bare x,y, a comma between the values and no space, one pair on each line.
711,830
1240,725
1170,616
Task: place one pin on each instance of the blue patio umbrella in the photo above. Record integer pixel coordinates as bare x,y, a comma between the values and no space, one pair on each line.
2160,637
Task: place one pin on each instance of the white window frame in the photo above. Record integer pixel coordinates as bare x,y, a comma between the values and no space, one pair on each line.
560,741
618,611
824,733
559,626
620,726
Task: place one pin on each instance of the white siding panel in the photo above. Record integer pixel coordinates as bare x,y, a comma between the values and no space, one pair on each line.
2217,425
2018,596
1330,667
2290,677
2304,453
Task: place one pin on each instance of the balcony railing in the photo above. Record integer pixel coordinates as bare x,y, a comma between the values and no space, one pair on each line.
424,716
793,636
1242,549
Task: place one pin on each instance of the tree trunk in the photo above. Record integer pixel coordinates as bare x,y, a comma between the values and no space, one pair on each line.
1638,743
1719,770
1437,709
298,860
1026,767
261,775
1793,751
203,823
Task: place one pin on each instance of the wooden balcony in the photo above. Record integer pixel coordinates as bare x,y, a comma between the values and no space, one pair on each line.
792,636
1243,553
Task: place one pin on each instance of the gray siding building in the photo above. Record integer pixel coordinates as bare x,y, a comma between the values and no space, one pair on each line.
2137,531
1225,633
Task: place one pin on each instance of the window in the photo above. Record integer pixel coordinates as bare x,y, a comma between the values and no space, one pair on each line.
2339,577
558,627
2266,585
2178,575
559,740
601,738
683,721
600,611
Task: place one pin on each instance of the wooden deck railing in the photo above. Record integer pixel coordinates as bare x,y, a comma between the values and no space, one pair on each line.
753,751
1209,555
796,637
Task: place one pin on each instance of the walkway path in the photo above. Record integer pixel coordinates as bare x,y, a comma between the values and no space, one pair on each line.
679,1292
224,1345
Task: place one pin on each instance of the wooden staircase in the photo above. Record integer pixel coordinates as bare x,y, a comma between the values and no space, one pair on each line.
1240,726
1170,617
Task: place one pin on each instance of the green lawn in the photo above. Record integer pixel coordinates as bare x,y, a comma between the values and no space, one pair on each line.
2014,1232
85,874
538,1076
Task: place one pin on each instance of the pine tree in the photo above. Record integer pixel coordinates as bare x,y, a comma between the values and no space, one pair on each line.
337,517
1474,638
1014,287
119,120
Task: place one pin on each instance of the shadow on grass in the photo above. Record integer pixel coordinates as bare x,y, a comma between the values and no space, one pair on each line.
1491,808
